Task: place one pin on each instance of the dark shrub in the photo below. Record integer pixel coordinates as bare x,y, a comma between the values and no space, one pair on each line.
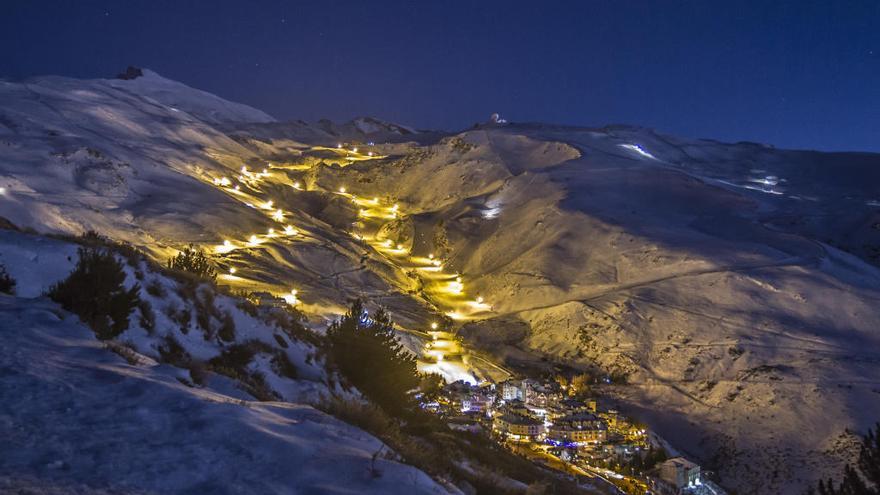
94,291
171,352
180,316
282,366
194,261
7,283
148,317
290,321
227,328
233,362
155,289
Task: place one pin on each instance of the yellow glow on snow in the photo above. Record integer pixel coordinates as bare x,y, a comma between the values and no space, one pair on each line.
224,248
455,288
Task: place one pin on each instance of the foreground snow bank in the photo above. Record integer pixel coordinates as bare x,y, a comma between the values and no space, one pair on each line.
76,417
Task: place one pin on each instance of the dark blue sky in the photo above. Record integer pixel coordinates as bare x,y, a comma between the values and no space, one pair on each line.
798,74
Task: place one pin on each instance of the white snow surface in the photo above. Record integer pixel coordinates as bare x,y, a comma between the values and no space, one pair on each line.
76,418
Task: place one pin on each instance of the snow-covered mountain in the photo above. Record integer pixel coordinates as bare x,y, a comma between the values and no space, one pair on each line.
734,285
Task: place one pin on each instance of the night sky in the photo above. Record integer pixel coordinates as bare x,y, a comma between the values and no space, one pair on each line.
798,74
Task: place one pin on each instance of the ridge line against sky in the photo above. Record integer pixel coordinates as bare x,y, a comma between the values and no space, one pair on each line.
795,74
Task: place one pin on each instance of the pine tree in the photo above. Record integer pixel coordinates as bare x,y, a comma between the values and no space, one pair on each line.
368,354
864,479
95,292
193,261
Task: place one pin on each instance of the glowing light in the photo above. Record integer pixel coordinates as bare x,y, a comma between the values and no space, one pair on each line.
395,207
241,178
362,212
267,205
479,299
253,240
225,182
289,230
455,315
244,170
232,271
431,256
436,263
375,200
237,187
342,190
278,216
354,150
370,153
296,185
225,247
291,298
265,171
434,326
400,246
271,232
339,146
387,243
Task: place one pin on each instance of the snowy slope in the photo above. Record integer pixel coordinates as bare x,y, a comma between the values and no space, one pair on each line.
735,284
76,417
134,160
